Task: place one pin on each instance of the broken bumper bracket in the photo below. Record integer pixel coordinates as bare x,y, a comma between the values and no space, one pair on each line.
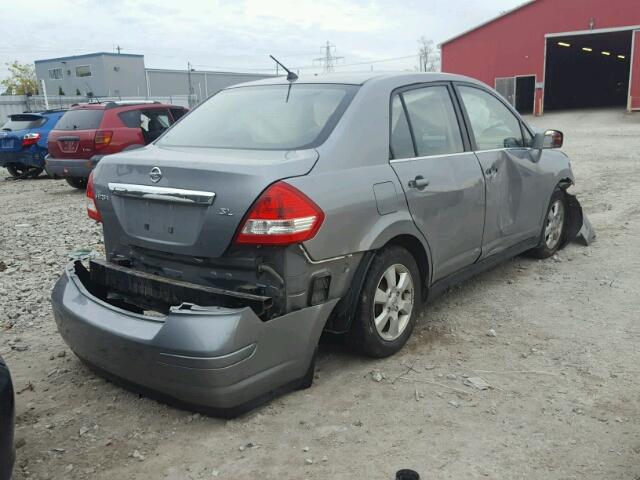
135,283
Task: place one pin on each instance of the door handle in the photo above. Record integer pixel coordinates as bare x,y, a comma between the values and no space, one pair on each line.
419,183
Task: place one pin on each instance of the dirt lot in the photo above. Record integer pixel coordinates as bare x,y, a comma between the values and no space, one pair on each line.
563,363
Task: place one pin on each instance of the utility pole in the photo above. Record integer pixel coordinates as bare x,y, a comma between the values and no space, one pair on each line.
44,92
189,69
328,61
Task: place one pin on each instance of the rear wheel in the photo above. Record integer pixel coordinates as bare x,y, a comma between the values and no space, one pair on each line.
553,227
388,305
23,171
79,183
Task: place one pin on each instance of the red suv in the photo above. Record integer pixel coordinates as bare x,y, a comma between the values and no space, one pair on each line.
88,132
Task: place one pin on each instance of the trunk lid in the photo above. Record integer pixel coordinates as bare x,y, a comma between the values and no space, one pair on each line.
74,134
186,201
75,144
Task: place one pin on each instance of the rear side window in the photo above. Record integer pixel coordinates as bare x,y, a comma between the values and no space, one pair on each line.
155,119
177,113
269,117
131,118
493,124
80,120
401,142
433,120
23,122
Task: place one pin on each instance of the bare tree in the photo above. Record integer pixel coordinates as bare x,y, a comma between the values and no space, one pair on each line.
429,56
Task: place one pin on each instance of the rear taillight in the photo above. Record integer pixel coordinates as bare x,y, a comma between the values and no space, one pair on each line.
92,208
102,138
282,215
30,139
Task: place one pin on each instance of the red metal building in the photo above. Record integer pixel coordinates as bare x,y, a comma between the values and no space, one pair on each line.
554,54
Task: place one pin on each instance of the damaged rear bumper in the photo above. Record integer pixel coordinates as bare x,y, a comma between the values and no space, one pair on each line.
217,359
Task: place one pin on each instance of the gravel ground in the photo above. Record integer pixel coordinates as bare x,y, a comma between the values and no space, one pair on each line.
556,340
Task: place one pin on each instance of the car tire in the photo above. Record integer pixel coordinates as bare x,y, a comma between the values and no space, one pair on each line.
35,172
553,227
22,171
14,171
79,183
388,305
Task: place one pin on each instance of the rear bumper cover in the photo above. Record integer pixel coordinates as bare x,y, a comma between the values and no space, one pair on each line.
32,157
220,360
74,168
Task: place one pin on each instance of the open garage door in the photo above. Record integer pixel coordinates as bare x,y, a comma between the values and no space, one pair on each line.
590,70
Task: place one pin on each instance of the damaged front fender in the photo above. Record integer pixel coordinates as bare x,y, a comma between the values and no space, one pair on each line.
577,226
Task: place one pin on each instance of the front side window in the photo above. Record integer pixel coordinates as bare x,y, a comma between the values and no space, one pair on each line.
83,71
433,120
494,125
268,117
55,73
528,137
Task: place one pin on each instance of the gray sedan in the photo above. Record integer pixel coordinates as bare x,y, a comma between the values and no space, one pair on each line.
280,209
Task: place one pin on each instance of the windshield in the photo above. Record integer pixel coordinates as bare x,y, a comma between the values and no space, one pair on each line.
23,122
80,120
270,117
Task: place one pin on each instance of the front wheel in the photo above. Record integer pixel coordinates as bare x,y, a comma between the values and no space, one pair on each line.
553,227
388,305
79,183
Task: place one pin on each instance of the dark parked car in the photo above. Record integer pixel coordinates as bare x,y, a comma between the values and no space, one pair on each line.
23,142
278,209
88,132
7,412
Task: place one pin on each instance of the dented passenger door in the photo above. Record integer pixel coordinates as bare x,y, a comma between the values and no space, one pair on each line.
510,169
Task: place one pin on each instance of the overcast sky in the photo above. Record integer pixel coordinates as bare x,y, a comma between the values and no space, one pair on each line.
238,34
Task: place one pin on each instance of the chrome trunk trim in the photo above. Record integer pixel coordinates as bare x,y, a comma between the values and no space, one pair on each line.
162,194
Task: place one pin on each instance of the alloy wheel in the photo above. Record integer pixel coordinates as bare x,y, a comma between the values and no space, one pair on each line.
393,302
554,225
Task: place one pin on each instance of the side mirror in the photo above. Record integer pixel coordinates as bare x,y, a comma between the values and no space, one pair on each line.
548,139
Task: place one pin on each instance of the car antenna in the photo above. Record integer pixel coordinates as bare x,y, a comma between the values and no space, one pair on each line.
292,77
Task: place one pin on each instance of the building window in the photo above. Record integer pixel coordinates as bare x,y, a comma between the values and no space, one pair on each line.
83,71
55,73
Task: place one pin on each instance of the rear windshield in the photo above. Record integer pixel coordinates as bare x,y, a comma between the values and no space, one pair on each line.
270,117
23,122
80,120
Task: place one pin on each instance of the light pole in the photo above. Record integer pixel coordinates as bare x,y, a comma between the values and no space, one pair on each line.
189,70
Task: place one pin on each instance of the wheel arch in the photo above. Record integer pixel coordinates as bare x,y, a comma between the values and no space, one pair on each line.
419,253
344,312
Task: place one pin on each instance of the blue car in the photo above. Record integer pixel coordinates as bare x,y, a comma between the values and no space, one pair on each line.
23,142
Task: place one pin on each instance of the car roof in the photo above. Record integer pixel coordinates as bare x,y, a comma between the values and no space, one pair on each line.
360,78
124,105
